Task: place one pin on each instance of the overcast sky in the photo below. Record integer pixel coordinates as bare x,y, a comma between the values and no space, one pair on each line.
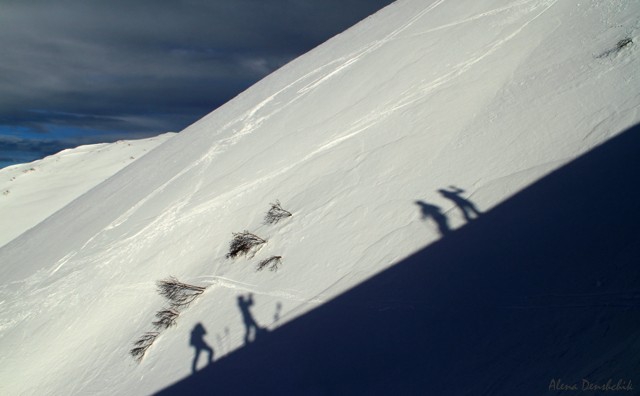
86,71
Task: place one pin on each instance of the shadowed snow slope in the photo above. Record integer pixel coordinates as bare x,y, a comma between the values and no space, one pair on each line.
543,287
32,192
369,141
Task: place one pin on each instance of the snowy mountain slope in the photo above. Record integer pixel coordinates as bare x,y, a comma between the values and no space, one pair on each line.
532,297
486,96
32,192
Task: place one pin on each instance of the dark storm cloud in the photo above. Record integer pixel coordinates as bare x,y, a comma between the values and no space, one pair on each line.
16,150
148,66
9,143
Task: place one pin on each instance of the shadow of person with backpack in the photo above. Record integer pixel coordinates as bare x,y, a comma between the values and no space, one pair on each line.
198,342
252,329
466,207
435,213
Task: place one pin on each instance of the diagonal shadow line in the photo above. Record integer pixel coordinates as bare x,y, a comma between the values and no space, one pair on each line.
467,314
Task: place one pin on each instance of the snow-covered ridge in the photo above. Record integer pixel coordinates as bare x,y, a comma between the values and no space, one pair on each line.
31,192
484,96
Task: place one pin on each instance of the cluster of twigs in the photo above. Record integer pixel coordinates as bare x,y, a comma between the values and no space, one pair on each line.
142,344
272,262
276,213
179,295
619,46
166,318
243,243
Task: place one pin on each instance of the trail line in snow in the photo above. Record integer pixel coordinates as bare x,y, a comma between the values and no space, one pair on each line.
473,18
372,118
174,215
413,95
247,287
250,122
356,128
358,55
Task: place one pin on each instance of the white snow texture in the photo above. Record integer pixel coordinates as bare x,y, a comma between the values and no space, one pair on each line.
486,96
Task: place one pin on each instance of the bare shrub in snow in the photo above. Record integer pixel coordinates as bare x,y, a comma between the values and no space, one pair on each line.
142,344
619,46
272,262
243,243
166,318
276,213
179,294
623,43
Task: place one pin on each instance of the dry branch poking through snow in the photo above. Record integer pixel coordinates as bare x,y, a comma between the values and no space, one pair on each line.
243,243
272,262
142,344
166,318
276,213
619,46
179,294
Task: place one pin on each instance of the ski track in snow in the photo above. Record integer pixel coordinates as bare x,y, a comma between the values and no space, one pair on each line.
175,215
246,287
414,95
247,120
375,116
172,216
251,122
474,17
355,57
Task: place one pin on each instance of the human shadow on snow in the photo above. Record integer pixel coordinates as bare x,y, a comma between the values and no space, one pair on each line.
198,342
434,213
541,287
468,208
252,329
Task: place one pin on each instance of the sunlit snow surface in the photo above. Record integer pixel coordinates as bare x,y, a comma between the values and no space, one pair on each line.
32,192
484,96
